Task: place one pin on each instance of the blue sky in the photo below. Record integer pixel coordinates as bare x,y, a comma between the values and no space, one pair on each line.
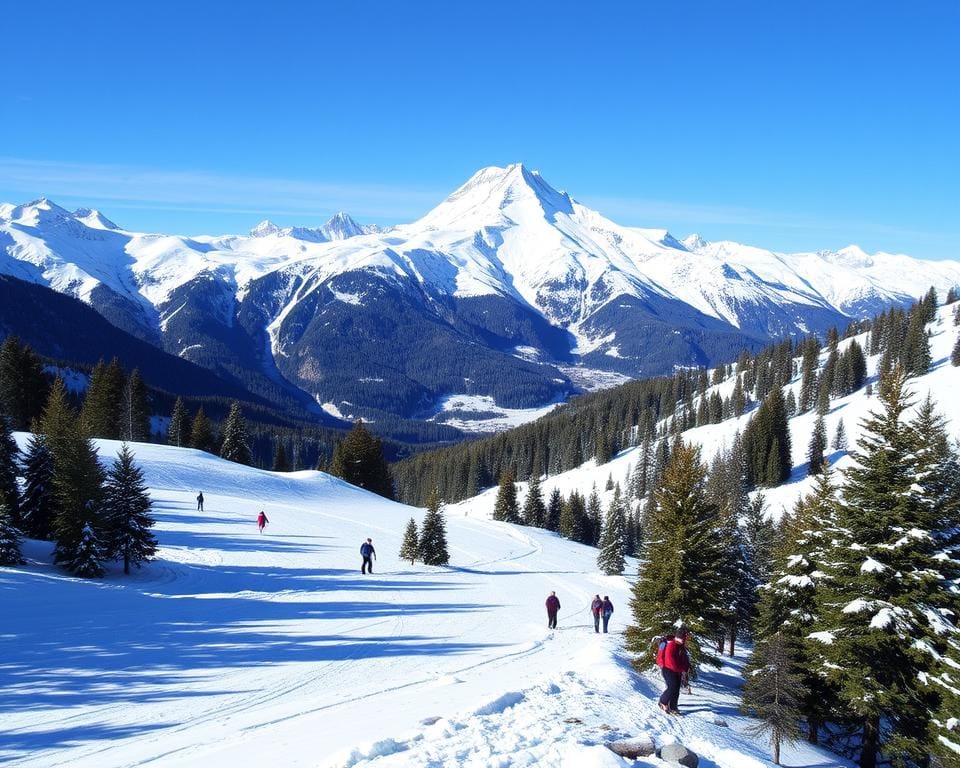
793,126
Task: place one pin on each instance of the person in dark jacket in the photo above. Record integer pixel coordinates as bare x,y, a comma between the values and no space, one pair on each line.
262,520
553,605
369,554
607,610
200,502
596,606
674,663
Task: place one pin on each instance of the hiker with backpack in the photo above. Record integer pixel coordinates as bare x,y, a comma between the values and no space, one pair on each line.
596,606
369,554
607,609
674,663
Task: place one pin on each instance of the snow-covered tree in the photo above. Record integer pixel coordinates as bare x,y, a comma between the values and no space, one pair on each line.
87,559
126,512
433,533
840,437
817,447
613,539
38,506
410,547
10,538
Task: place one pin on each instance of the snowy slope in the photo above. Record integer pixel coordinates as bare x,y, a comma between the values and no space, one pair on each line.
241,649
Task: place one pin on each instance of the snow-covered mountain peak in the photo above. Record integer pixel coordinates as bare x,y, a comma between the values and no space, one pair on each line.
264,229
93,218
851,256
37,212
693,242
341,226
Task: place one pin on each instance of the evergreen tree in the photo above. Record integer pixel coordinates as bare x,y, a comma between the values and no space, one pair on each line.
201,433
677,581
280,462
887,611
767,442
359,460
433,534
177,433
410,548
534,510
817,447
77,482
554,510
505,509
10,539
126,512
9,454
955,354
38,507
773,693
135,420
808,374
916,357
840,437
235,446
103,403
613,539
23,385
593,523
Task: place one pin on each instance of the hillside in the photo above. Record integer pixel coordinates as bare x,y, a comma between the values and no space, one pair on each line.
240,649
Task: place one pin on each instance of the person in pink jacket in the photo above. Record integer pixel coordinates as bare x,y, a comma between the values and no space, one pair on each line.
553,605
674,663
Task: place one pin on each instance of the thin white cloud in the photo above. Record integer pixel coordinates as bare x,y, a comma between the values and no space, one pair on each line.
207,192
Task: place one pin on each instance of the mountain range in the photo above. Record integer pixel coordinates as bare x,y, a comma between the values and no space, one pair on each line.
508,291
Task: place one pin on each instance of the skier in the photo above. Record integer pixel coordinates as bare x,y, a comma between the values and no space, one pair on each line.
200,502
369,554
607,611
596,606
674,663
262,520
553,605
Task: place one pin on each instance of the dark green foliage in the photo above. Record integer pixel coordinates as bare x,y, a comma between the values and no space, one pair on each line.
916,358
613,539
955,354
433,534
808,374
554,510
103,406
235,447
126,513
10,538
840,437
9,455
534,510
280,461
410,547
772,692
178,431
87,558
505,509
952,295
358,459
38,507
574,524
135,417
678,578
817,447
201,432
886,601
23,385
767,442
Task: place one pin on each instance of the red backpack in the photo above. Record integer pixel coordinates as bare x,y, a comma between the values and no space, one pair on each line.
662,649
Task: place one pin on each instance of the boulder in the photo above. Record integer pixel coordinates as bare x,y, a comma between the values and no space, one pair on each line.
638,746
680,755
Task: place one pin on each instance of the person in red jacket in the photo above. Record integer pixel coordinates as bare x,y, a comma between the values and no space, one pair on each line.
674,662
553,605
596,606
262,520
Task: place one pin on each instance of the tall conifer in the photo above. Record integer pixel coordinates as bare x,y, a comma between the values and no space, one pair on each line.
235,446
38,506
126,512
178,432
505,508
433,533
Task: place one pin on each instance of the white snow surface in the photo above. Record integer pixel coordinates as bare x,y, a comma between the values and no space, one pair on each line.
240,649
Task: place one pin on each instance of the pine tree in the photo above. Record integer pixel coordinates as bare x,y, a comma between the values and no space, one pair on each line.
817,447
126,512
201,433
9,490
840,437
955,354
410,548
235,447
280,462
554,510
594,521
77,482
677,581
177,433
505,509
772,694
433,533
886,609
613,539
916,356
359,460
23,386
534,510
10,538
135,418
38,507
103,403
